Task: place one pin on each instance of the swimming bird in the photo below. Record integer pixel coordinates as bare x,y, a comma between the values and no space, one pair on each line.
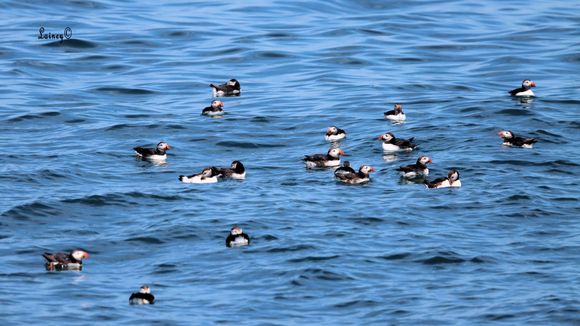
154,154
509,139
215,109
345,168
230,88
208,175
393,144
237,238
331,159
525,90
144,296
60,260
362,176
237,171
418,169
334,134
396,114
452,180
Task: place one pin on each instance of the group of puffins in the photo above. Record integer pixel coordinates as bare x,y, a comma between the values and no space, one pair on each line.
73,260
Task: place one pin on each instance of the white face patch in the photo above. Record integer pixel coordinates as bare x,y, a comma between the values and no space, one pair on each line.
78,254
231,83
236,231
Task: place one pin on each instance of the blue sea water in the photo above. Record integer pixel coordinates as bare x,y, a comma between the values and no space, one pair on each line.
503,249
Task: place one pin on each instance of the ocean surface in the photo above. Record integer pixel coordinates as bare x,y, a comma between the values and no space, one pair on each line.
503,249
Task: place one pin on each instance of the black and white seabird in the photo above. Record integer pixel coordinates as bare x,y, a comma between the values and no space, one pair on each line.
419,169
144,296
396,114
230,88
331,159
394,144
61,260
452,180
154,154
215,109
208,175
525,90
236,171
362,176
237,238
334,134
509,139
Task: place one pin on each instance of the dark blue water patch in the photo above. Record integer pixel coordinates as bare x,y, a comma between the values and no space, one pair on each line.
312,259
237,144
146,240
72,43
42,115
125,91
31,210
357,304
291,248
398,256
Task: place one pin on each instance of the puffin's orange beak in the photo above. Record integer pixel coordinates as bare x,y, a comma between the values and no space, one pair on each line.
430,161
341,152
372,169
86,255
533,84
168,147
500,134
380,137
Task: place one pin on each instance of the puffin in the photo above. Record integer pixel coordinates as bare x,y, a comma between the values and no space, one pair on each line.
154,154
144,296
230,88
452,180
237,237
331,159
509,139
216,109
393,144
396,114
345,168
208,175
334,134
418,169
236,171
362,176
61,260
525,90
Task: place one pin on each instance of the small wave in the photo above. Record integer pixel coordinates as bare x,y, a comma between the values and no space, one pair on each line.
292,248
34,116
312,259
123,90
396,256
238,144
149,240
72,43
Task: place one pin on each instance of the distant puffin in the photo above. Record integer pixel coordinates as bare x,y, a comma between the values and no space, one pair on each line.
525,90
362,176
331,159
155,154
236,171
509,139
345,168
62,261
144,296
216,109
452,180
418,169
237,238
334,134
393,144
208,175
396,114
230,88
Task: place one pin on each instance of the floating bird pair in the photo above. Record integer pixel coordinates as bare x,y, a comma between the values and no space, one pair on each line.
236,171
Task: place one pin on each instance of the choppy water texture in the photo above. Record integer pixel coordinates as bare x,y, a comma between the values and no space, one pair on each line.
504,248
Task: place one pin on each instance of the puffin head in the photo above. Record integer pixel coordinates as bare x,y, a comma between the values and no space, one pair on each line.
332,130
163,146
387,137
145,289
527,84
346,164
236,230
424,160
506,134
79,254
234,83
398,108
335,152
366,169
453,175
217,104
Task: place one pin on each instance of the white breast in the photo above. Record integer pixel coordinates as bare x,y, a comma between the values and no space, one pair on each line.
198,179
527,145
390,147
239,176
215,113
334,137
526,93
396,117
